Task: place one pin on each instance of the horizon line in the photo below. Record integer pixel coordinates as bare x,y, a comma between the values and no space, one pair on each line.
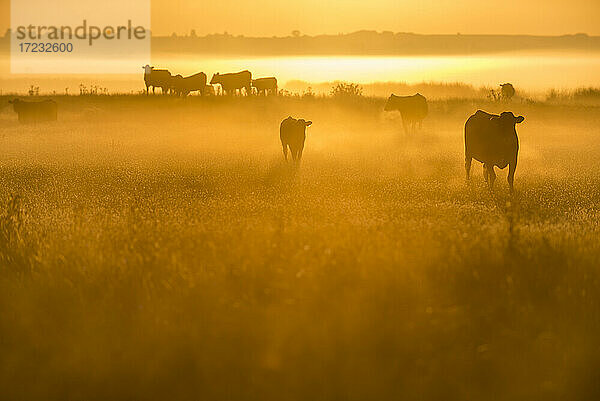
192,34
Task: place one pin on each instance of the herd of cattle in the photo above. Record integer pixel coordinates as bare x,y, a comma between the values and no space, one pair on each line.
230,84
490,139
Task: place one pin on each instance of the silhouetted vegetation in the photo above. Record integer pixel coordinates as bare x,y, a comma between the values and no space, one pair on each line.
433,90
344,90
579,95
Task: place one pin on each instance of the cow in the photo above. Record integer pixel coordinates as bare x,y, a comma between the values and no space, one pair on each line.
265,85
492,140
292,133
175,84
35,111
232,82
507,91
156,79
412,108
181,86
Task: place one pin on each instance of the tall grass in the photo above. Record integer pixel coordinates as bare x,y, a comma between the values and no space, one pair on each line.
581,96
159,248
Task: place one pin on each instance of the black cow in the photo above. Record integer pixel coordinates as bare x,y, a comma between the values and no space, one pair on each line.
182,86
492,140
234,81
157,79
35,111
412,108
507,91
292,133
265,85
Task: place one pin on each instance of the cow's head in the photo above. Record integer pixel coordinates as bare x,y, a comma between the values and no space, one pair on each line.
147,69
17,104
303,123
389,105
215,79
508,119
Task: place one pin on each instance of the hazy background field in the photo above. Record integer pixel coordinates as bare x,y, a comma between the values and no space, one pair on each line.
159,248
532,71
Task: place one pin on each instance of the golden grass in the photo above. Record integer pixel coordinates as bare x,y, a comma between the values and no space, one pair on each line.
158,248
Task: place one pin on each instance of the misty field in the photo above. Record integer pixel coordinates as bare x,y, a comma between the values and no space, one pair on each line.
154,248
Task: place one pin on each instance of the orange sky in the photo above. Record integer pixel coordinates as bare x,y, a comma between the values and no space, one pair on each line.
280,17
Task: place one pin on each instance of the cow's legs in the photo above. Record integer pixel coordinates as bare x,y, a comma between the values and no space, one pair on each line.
511,174
146,90
468,160
485,172
412,126
492,176
284,150
300,153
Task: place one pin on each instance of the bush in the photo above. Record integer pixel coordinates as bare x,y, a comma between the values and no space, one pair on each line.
346,90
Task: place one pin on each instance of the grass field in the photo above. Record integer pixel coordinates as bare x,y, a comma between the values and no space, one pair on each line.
155,248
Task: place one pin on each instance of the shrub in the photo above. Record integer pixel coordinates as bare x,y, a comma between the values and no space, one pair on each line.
346,90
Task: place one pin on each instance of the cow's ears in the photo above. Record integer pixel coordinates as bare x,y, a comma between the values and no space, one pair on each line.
308,123
519,119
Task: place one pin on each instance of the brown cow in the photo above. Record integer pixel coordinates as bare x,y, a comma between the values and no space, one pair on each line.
265,85
507,91
36,111
182,86
157,79
413,109
234,81
292,133
492,140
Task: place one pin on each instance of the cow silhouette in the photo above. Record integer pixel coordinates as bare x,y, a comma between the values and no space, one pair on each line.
35,111
182,86
292,133
507,91
233,82
413,109
265,85
492,140
157,79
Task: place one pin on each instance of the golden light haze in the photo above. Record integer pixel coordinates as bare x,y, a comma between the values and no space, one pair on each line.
276,17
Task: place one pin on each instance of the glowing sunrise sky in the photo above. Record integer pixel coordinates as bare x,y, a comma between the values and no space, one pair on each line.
280,17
